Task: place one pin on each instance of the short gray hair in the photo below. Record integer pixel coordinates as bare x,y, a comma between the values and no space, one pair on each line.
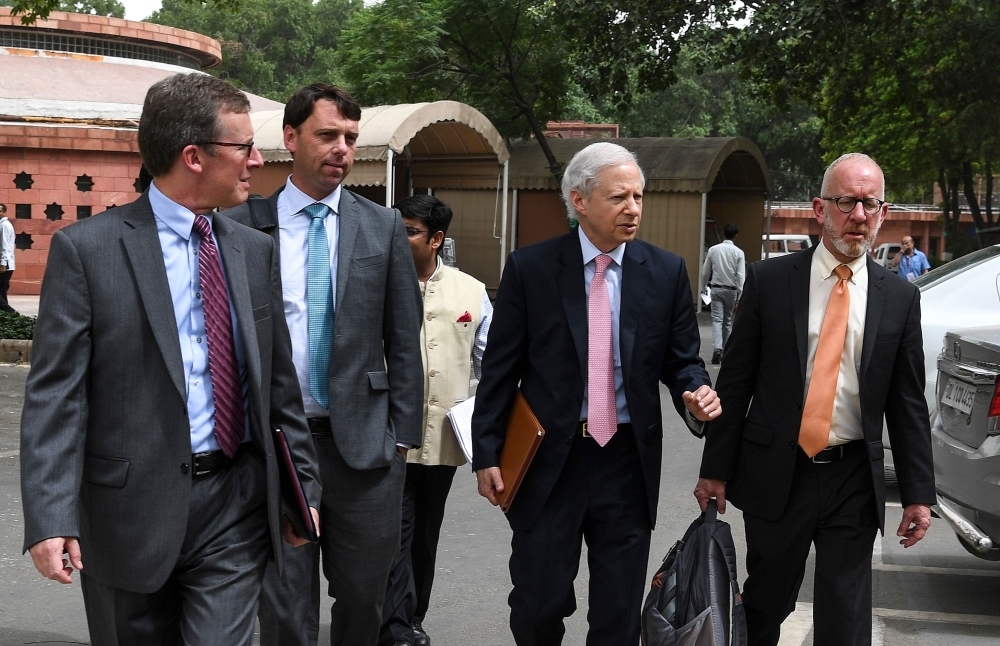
844,158
585,167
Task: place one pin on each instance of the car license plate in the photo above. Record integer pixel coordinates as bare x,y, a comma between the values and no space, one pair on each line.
959,395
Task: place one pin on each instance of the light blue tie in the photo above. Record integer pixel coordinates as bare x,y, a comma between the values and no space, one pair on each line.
319,297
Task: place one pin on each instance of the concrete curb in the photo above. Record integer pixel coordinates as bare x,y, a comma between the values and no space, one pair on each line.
15,351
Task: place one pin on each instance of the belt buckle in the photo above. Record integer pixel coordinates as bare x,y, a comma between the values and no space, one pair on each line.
583,430
840,450
195,460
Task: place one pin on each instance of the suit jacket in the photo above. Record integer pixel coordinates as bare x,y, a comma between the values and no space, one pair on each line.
376,374
753,444
538,338
105,426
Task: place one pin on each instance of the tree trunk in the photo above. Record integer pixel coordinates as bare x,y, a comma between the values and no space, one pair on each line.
970,195
989,192
949,220
555,166
956,208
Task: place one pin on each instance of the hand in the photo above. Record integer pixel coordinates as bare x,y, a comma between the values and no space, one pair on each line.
402,451
289,534
50,561
490,484
703,403
707,489
916,520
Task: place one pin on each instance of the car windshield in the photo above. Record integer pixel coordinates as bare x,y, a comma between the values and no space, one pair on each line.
955,267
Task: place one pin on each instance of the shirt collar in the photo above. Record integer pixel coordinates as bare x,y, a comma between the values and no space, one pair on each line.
437,270
590,251
728,242
297,200
179,219
827,263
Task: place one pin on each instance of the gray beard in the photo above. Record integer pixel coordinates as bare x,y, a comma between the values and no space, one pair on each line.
850,249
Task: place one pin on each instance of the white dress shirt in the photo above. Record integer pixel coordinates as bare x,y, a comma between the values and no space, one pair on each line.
293,227
846,424
725,264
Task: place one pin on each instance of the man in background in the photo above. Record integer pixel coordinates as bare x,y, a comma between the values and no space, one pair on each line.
724,271
910,262
456,319
6,257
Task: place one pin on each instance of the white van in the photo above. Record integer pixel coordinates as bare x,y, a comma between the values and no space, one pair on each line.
782,244
884,253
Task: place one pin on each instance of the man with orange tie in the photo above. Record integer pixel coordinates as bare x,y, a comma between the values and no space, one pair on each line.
825,344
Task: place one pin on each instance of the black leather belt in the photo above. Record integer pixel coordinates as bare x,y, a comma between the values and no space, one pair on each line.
208,463
722,286
581,428
835,453
320,426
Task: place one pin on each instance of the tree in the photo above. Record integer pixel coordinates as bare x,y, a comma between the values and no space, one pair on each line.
112,8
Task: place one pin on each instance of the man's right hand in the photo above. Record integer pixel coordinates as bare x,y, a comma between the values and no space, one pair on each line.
490,484
56,557
708,489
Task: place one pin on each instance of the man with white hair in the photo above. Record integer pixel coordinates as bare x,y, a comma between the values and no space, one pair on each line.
588,324
826,344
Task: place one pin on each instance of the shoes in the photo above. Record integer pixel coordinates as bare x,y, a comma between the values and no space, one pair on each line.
400,642
420,638
717,357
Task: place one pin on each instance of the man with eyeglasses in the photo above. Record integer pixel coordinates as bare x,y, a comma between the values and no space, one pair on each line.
161,362
353,308
910,262
826,344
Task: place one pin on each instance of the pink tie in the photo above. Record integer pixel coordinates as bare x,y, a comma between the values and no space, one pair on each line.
602,414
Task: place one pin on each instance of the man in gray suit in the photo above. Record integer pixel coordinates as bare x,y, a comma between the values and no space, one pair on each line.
353,308
161,362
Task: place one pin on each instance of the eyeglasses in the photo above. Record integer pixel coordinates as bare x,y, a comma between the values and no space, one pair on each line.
246,148
410,231
846,204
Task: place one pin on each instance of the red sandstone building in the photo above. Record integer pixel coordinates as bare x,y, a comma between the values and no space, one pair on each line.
71,92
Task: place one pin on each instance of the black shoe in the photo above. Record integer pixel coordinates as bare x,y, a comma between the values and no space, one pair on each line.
717,357
420,638
400,642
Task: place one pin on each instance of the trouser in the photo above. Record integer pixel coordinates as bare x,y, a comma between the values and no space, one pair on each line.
832,506
600,496
408,593
723,304
4,286
211,597
359,538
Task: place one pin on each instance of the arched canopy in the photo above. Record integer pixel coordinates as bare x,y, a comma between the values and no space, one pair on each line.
415,130
680,165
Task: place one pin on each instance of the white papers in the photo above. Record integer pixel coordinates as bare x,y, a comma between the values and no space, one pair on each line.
706,296
460,417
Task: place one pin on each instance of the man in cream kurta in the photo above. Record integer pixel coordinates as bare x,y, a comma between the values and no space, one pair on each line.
456,320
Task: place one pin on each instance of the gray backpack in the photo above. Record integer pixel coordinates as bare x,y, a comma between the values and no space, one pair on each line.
694,599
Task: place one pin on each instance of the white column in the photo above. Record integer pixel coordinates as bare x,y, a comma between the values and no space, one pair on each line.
701,247
767,239
503,223
390,177
513,221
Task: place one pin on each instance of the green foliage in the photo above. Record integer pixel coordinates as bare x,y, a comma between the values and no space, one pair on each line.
112,8
270,47
15,326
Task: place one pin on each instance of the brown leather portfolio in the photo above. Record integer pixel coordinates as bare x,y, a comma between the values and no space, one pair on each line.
524,436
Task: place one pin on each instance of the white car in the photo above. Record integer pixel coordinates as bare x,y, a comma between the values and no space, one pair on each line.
962,293
884,253
782,244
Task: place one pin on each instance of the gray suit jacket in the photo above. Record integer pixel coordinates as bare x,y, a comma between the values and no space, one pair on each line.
105,426
376,372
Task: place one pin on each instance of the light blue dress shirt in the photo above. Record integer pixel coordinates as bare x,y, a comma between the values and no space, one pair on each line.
180,256
613,279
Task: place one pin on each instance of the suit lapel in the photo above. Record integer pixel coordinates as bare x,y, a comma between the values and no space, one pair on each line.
873,314
349,220
798,283
142,246
635,282
574,295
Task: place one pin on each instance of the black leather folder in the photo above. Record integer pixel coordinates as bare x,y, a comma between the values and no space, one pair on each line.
293,499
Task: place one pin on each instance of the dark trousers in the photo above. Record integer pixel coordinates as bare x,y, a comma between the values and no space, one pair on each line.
408,592
600,496
211,597
359,538
4,286
831,506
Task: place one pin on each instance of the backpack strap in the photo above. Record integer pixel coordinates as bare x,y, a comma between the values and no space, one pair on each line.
261,213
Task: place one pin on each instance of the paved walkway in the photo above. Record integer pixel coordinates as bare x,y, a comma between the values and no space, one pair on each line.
27,305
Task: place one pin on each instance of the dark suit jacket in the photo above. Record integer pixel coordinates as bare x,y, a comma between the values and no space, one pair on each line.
376,373
753,444
105,425
538,338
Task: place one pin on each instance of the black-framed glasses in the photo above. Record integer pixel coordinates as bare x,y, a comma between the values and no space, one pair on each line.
246,148
410,231
846,204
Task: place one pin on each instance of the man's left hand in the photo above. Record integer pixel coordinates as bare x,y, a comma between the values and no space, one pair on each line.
289,534
402,451
916,521
703,403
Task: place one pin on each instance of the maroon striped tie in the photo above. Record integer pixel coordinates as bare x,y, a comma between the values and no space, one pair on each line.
227,390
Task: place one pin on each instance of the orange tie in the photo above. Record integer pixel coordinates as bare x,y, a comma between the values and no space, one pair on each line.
814,433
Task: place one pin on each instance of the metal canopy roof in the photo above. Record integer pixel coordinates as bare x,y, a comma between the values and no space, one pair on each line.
694,165
441,128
